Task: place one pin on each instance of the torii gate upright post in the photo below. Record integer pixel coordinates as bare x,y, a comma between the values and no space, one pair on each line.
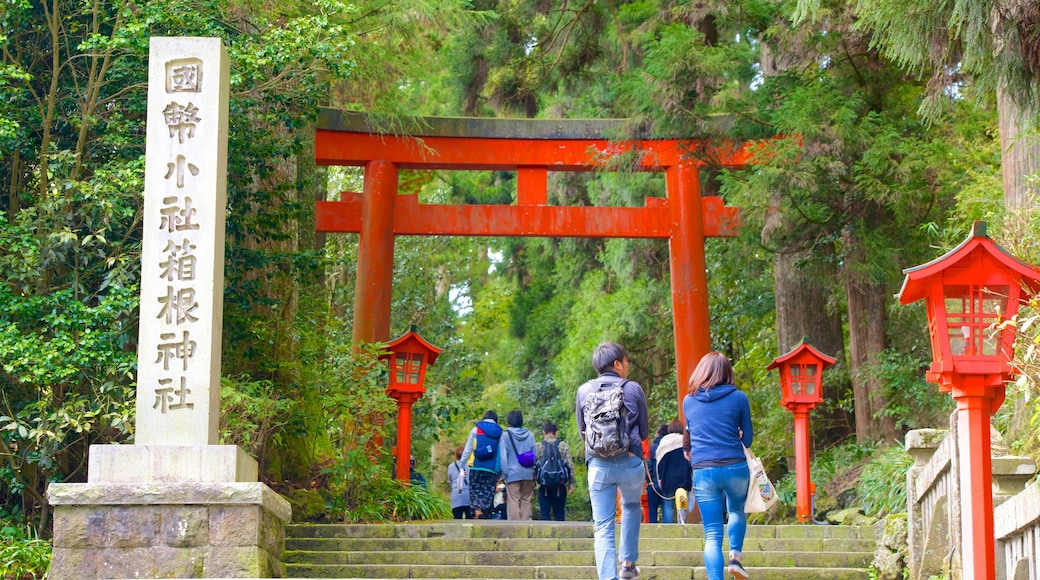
375,265
690,316
532,148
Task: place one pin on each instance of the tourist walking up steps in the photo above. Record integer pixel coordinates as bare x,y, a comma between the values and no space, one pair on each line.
554,473
458,479
482,446
718,418
672,471
611,416
653,500
516,450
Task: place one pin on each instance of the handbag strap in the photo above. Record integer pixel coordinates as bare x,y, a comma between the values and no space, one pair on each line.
512,444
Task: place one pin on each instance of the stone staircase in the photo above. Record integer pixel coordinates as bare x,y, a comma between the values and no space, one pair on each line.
559,550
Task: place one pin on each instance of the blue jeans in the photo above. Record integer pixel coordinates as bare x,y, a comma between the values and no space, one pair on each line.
606,477
668,510
653,503
552,502
716,488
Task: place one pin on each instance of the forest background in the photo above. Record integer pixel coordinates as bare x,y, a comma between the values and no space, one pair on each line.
887,128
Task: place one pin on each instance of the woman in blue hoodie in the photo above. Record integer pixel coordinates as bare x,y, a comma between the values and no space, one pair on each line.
718,418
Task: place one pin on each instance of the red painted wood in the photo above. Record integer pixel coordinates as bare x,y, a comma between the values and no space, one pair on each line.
976,472
802,478
375,267
413,218
532,186
345,148
690,317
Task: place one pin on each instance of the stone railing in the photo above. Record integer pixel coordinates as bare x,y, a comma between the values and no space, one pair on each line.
933,506
1016,524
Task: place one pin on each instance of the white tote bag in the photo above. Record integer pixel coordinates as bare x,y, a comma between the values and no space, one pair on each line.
761,494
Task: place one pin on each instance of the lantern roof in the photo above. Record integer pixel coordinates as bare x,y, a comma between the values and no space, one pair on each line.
803,347
917,281
412,342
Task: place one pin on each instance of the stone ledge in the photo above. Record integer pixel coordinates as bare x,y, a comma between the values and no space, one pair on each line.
1018,512
199,493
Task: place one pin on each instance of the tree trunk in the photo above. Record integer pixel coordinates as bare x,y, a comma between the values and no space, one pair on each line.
802,294
1019,152
867,314
802,281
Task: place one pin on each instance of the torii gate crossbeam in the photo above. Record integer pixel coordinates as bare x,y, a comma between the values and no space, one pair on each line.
532,148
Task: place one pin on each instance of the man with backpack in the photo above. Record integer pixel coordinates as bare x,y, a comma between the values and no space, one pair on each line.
482,448
611,416
555,474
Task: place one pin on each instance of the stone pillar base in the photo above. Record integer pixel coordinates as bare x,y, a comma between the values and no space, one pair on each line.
167,530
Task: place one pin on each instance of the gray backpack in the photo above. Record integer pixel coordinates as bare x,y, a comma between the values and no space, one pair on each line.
606,421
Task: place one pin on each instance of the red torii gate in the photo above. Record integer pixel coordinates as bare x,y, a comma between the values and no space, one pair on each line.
532,148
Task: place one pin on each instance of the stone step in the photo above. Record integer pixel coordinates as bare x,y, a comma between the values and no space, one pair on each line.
760,544
687,558
496,529
558,550
370,572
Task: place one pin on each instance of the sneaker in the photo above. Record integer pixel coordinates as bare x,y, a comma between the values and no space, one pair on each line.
629,572
737,569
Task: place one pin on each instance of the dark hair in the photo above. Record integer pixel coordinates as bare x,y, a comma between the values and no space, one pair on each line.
713,370
515,419
459,450
491,415
662,430
549,427
676,426
605,354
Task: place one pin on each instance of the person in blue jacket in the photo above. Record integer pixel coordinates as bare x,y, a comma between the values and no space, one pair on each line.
718,418
484,469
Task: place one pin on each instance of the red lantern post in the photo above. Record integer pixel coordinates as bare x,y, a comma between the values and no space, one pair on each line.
801,386
966,292
408,359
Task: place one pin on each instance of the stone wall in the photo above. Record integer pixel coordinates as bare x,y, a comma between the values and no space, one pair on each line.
1016,523
934,518
197,530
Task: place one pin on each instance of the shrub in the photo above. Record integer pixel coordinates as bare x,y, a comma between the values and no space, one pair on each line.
23,554
882,484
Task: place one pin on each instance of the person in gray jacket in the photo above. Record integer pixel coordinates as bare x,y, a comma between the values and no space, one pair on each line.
516,450
458,479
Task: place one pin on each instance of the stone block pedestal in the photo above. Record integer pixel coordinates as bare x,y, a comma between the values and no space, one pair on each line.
167,530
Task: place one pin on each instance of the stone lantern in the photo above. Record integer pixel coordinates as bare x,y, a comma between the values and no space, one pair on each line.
968,292
801,386
409,356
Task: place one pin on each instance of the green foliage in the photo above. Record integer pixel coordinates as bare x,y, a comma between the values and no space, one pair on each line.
357,468
253,414
875,490
912,402
847,475
23,554
992,48
388,500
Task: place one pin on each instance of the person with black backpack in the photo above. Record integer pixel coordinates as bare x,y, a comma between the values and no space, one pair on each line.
554,473
612,419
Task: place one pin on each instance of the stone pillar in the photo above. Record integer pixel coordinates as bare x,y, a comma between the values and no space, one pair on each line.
921,444
176,504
